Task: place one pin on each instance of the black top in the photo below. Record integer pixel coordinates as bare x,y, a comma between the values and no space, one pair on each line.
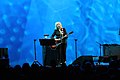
56,34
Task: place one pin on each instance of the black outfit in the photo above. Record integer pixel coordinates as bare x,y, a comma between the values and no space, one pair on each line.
61,48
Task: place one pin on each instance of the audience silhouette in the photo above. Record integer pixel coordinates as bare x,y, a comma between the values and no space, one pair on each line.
85,71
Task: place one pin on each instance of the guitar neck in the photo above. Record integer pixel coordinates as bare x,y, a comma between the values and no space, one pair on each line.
66,35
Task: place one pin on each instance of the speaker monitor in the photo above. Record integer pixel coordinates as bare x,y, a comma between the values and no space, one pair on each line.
4,63
80,60
3,52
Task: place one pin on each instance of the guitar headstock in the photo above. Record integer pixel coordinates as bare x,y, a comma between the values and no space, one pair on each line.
71,32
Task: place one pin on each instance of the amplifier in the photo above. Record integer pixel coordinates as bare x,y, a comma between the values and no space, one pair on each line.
111,50
3,53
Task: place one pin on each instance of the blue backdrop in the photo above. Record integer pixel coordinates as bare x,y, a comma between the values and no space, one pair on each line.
94,22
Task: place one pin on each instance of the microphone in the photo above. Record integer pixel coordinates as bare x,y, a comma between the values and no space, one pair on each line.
34,39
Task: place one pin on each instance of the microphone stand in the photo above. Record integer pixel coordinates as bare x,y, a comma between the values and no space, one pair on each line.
35,61
100,52
76,48
100,47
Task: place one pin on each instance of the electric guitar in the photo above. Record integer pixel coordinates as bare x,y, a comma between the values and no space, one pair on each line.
57,40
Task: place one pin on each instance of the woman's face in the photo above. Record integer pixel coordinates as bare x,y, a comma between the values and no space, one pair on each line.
58,25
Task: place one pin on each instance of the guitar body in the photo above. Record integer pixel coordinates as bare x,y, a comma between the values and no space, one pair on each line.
53,47
58,41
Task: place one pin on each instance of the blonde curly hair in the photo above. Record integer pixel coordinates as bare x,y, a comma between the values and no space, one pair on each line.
58,24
